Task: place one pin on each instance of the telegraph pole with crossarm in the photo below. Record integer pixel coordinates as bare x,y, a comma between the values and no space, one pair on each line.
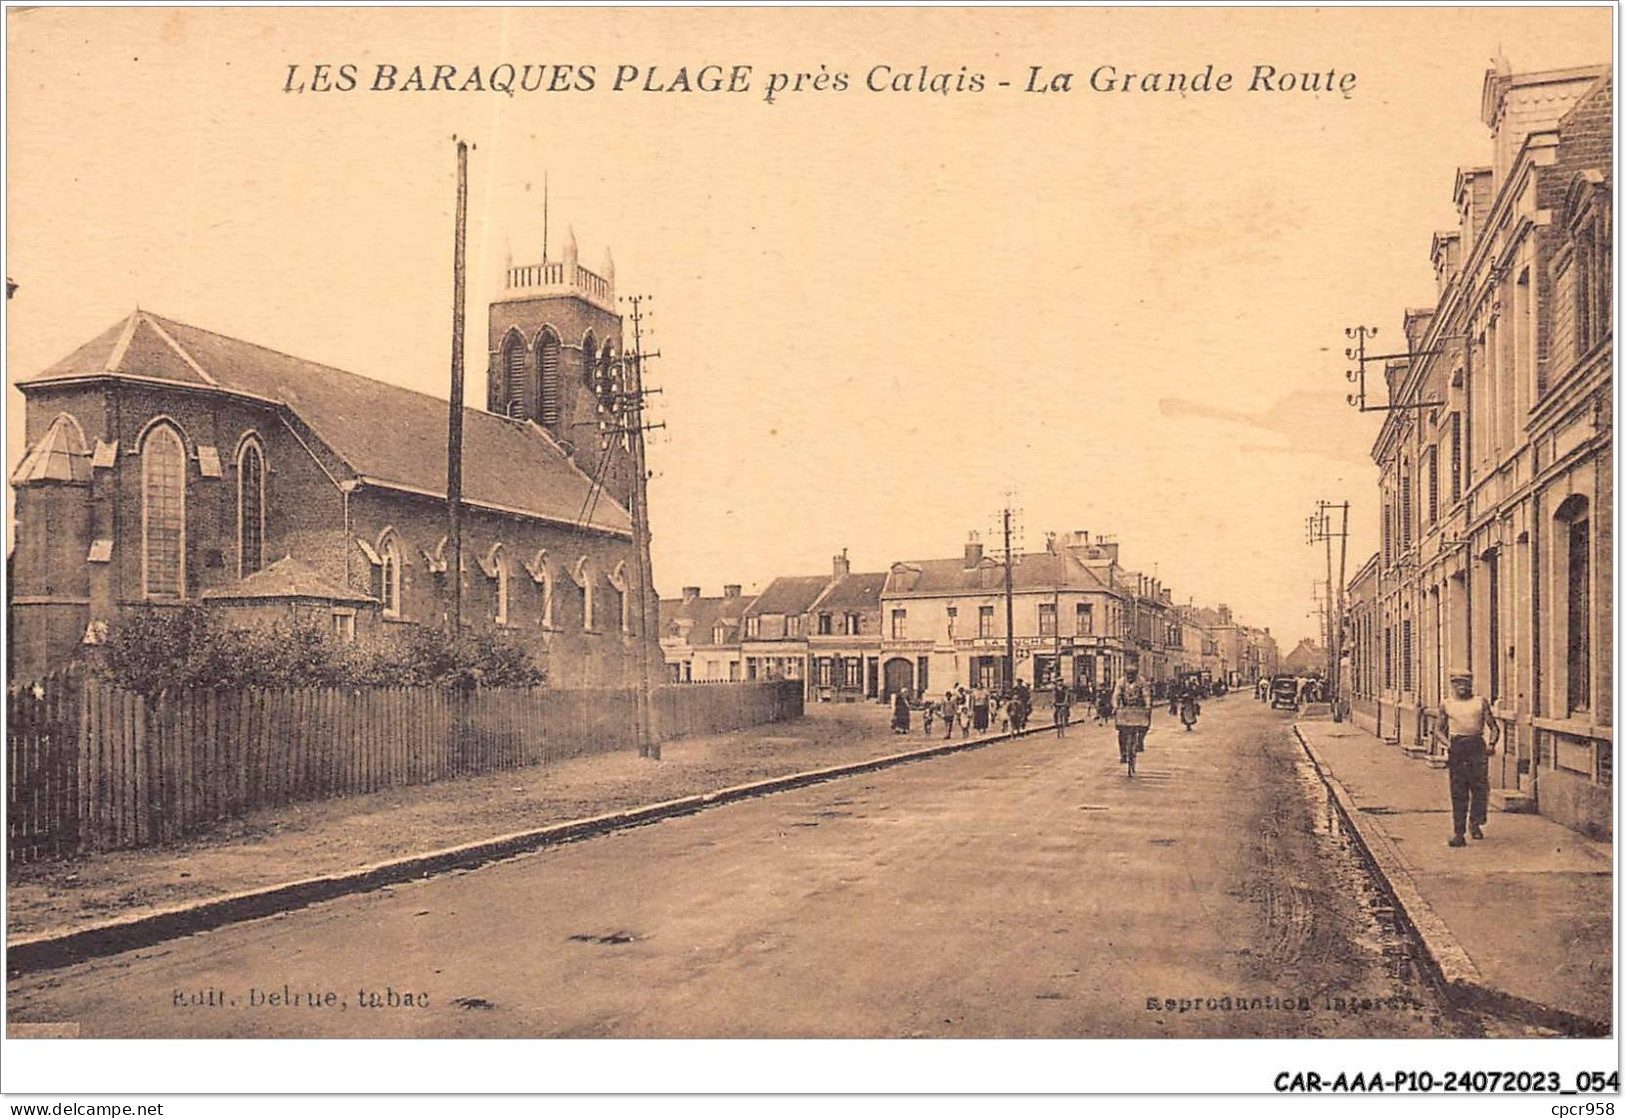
1320,529
630,401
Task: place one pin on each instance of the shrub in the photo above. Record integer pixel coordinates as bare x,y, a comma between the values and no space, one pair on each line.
152,649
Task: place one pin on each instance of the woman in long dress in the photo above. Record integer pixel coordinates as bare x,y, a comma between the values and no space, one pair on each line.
899,713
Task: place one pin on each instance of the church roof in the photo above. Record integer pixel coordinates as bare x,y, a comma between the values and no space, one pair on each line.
384,433
286,578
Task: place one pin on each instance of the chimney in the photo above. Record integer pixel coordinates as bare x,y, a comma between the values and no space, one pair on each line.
731,590
691,593
843,565
973,550
1080,539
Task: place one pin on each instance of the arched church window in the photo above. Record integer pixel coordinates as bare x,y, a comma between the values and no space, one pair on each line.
547,360
586,577
389,570
499,567
250,507
163,513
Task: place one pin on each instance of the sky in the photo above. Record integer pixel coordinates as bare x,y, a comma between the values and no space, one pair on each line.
880,315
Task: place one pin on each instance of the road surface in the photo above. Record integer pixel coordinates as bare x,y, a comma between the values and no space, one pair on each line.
1027,889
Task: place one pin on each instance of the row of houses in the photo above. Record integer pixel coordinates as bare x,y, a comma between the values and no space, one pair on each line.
1496,467
1071,611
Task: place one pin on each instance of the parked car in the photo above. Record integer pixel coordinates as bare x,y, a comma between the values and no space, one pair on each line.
1284,692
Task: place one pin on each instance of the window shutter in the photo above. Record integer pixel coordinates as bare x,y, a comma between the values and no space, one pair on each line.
1455,457
548,359
513,379
1405,510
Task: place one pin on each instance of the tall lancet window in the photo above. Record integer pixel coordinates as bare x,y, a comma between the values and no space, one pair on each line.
547,361
513,377
250,508
163,513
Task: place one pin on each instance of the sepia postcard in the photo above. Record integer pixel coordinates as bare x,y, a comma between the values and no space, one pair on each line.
1053,524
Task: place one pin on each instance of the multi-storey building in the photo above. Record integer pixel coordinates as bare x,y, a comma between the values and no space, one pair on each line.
843,636
1496,472
700,636
773,641
946,622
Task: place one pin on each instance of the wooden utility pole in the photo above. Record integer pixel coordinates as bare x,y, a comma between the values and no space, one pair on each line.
633,392
1320,528
1342,582
1009,608
454,433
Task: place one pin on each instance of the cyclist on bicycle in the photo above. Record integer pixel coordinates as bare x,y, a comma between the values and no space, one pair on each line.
1131,704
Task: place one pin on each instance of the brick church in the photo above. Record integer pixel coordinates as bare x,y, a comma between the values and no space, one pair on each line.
166,464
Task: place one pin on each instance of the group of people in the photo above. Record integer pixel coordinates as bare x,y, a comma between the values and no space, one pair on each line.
1306,689
976,710
972,709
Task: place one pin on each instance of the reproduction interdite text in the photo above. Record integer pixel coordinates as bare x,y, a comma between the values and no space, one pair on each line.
513,79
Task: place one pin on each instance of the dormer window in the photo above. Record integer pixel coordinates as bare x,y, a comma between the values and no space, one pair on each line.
825,624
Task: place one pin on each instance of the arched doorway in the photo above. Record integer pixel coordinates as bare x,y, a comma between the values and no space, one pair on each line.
899,676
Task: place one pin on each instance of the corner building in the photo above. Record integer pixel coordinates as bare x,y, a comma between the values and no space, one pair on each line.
1496,477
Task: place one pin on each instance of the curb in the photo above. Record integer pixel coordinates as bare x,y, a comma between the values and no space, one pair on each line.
1448,962
61,949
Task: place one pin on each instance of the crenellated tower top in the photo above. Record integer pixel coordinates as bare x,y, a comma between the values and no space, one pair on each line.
561,277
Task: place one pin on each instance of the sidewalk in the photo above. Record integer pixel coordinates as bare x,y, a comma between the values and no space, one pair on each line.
1522,919
309,840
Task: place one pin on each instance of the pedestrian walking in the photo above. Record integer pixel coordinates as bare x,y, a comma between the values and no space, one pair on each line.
1131,704
1063,707
1470,733
899,712
979,700
1189,710
949,709
1086,702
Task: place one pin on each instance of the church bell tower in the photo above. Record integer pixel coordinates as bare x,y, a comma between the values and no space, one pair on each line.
555,343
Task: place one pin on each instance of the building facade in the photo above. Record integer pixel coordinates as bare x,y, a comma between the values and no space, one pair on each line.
168,465
843,636
773,641
1496,475
945,621
699,637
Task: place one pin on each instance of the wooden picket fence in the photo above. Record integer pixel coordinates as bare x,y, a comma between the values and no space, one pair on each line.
92,767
